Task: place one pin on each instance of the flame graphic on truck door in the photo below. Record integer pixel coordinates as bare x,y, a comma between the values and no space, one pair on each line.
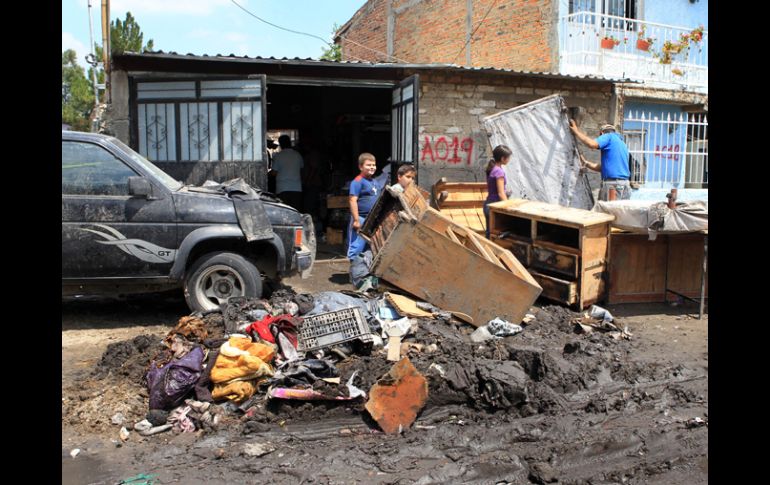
146,251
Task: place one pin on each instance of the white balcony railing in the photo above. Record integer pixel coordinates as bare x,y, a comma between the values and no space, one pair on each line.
581,53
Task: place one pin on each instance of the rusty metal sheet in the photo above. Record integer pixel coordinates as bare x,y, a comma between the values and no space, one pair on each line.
398,397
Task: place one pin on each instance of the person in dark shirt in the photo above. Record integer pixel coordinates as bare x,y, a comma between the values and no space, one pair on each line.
363,194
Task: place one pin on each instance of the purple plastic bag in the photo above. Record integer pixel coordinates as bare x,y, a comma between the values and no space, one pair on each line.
170,384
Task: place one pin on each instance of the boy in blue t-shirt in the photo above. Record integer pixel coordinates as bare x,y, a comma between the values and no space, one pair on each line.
363,194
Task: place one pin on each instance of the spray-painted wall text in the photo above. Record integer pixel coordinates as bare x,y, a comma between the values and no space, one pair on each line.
452,150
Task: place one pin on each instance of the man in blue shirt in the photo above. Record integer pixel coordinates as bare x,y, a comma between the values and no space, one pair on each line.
614,161
363,194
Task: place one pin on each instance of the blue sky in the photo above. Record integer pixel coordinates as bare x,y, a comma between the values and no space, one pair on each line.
214,26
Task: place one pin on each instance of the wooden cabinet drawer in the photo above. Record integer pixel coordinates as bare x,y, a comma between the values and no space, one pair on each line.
520,249
556,261
556,289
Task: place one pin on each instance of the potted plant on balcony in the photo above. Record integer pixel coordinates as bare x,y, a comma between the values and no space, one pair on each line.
609,42
643,43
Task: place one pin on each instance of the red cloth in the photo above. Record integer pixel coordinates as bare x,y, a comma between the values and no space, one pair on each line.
269,327
262,328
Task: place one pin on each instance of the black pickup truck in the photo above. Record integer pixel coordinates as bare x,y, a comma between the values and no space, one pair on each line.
128,227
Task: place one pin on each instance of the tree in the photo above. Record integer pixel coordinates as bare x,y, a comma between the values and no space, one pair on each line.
77,99
334,51
125,36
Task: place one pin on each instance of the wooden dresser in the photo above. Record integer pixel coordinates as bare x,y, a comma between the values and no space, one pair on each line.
564,249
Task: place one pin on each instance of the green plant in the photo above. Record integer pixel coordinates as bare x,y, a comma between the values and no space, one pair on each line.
671,48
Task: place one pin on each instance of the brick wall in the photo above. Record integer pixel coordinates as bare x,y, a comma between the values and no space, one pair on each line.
366,39
452,141
516,34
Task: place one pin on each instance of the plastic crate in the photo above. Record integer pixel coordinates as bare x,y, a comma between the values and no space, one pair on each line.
333,328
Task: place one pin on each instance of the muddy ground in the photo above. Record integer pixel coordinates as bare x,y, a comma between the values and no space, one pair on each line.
545,406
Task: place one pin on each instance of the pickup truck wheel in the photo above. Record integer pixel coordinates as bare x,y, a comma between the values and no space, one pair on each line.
215,277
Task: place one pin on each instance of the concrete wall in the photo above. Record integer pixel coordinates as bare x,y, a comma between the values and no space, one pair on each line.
515,34
682,12
115,121
452,141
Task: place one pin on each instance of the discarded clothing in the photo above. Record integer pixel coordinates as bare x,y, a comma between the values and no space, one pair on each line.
304,372
169,384
203,385
180,346
236,391
269,328
240,358
191,328
179,420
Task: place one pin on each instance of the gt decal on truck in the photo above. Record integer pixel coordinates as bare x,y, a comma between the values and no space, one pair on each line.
146,251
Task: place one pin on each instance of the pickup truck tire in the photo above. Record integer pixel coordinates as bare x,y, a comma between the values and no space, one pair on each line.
215,277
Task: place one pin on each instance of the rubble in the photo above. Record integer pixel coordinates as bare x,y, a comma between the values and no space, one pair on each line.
398,397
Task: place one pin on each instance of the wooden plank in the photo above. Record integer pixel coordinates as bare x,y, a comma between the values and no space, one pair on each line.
429,265
557,289
553,213
449,232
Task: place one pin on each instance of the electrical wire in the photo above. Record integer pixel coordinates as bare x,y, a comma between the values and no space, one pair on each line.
313,35
470,37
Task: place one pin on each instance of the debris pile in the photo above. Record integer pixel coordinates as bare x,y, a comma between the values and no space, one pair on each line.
384,357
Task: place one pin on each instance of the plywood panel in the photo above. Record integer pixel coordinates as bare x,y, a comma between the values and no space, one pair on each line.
637,268
685,262
426,263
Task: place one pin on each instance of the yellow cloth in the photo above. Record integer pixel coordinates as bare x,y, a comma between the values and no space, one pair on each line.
235,391
241,358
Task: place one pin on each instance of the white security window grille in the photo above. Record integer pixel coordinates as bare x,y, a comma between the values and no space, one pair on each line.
213,120
667,150
157,130
199,132
242,130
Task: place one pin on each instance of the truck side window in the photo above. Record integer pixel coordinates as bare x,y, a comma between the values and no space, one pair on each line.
88,169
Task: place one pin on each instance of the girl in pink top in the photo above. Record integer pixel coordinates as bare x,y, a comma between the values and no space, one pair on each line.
497,182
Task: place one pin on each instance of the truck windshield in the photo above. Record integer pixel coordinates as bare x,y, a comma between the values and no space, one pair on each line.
165,178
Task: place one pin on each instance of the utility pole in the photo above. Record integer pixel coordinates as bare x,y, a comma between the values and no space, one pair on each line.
107,49
91,59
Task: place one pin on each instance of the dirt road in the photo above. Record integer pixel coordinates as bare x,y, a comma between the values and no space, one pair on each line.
598,411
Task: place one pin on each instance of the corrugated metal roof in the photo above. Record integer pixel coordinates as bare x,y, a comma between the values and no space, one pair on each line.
297,61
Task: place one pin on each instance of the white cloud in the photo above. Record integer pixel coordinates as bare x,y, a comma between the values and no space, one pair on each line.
181,7
68,41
